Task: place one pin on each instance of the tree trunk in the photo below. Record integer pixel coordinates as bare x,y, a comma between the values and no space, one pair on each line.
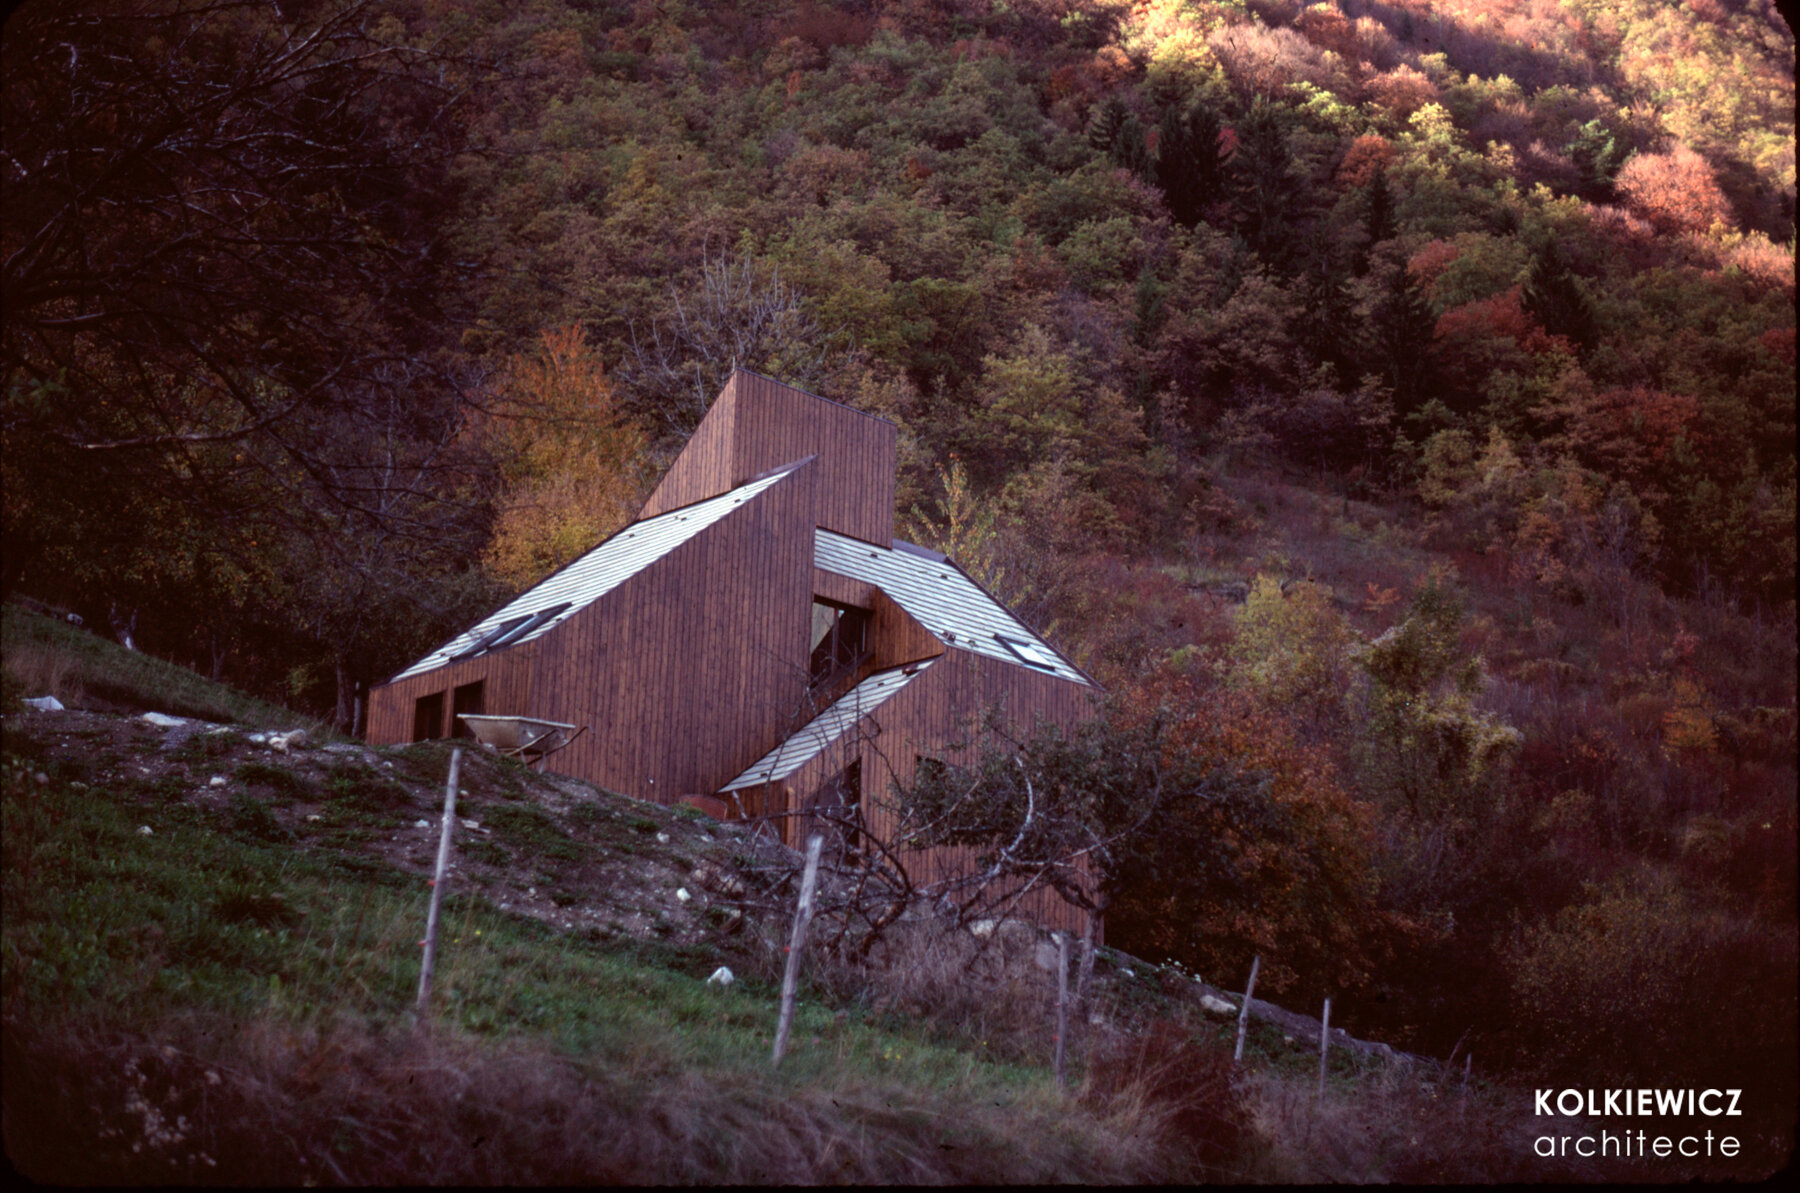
345,717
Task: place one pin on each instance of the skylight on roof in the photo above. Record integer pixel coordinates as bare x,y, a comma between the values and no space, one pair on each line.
1029,653
492,637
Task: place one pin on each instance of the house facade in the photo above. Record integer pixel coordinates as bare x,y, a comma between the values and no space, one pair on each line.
757,641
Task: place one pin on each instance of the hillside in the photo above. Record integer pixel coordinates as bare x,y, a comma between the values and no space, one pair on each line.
210,968
1390,403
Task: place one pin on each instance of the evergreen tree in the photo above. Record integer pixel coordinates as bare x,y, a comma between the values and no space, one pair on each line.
1267,187
1599,155
1555,297
1188,165
1380,221
1114,131
1401,327
1328,329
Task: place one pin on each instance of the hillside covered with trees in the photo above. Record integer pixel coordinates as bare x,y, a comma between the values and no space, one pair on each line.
1392,403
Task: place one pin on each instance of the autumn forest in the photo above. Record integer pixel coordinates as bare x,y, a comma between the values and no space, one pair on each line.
1390,402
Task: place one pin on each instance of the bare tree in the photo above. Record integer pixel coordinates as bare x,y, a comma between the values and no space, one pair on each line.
738,315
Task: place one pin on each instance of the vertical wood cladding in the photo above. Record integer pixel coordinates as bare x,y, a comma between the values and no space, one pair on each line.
686,673
505,675
757,424
690,670
937,708
703,469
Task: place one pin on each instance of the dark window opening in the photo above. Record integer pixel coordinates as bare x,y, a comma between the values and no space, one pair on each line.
428,717
466,699
839,805
840,640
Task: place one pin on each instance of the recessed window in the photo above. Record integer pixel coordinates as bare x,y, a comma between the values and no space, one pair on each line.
428,717
840,639
465,699
1031,654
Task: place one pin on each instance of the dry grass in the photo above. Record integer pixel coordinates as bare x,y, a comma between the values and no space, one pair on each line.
986,992
1392,1125
40,669
227,1102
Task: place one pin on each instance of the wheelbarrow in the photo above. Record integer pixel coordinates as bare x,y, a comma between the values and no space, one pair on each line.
528,739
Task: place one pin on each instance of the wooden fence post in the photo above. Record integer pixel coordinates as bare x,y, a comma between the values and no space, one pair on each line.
1324,1046
1244,1011
1062,1003
429,959
791,976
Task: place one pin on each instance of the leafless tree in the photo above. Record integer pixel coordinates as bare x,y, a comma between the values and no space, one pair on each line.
739,314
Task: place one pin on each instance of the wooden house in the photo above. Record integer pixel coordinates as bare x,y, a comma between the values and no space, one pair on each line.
757,641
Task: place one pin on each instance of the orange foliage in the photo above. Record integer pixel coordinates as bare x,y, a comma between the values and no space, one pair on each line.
1503,315
1403,90
1676,191
1627,432
1430,261
1368,155
1300,888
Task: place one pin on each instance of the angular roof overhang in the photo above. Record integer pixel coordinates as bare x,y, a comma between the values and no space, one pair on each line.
600,571
838,719
945,600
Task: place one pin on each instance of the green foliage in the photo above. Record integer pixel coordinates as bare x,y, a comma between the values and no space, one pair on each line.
1421,742
1292,648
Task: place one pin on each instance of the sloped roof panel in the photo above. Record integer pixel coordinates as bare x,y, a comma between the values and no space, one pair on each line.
942,598
826,728
600,571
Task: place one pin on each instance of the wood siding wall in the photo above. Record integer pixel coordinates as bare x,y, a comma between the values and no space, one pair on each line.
685,674
757,424
918,721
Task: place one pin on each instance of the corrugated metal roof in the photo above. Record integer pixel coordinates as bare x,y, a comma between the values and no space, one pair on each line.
940,597
826,728
601,570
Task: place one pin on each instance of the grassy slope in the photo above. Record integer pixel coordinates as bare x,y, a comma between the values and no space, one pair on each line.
48,657
228,998
208,1001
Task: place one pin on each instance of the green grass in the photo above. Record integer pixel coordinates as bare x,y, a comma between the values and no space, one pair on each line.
49,657
214,930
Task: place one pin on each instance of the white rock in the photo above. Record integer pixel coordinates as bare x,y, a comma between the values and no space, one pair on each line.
216,781
471,824
1212,1004
422,824
164,720
983,927
314,818
662,838
144,830
682,894
44,703
721,977
285,741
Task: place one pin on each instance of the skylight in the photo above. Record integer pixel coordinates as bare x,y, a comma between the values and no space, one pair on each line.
488,640
1029,653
